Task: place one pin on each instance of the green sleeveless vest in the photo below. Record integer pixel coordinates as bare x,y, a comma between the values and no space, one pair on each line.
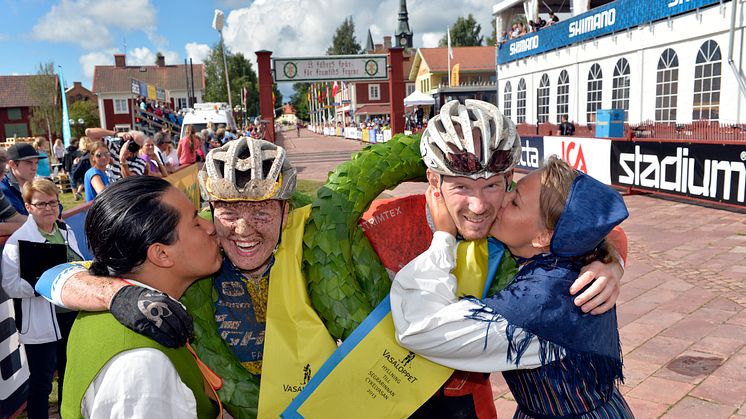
96,338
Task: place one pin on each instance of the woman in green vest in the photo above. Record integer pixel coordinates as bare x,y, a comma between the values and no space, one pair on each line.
144,231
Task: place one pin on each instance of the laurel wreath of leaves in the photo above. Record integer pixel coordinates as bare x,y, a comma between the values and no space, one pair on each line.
345,277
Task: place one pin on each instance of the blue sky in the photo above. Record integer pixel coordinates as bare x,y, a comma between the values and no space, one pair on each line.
78,34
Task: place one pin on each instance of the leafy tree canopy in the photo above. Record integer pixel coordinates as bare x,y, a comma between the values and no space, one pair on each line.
466,32
344,41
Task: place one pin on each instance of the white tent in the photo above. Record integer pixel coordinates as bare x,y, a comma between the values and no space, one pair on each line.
418,98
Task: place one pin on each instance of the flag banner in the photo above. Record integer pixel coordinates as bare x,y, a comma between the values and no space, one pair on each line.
66,135
455,74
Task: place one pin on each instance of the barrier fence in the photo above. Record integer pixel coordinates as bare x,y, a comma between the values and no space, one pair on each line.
373,136
694,132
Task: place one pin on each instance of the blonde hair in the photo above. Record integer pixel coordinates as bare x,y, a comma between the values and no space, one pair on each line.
95,145
40,185
556,181
83,143
38,142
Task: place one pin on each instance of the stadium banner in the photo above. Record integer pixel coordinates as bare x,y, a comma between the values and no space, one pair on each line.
709,172
603,20
589,155
532,152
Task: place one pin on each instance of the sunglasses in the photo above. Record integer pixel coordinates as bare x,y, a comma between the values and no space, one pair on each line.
105,154
467,163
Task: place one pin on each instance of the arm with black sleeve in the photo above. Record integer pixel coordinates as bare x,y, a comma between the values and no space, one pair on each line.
72,286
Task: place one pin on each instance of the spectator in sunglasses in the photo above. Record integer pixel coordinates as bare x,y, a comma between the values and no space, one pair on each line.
96,178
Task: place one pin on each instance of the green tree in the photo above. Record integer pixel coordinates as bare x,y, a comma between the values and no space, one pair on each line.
46,114
344,41
299,99
158,56
464,33
85,110
492,40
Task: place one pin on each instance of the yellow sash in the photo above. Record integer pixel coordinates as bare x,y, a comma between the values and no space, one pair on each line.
374,377
296,341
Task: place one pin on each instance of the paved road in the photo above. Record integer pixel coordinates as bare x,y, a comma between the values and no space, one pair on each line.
682,312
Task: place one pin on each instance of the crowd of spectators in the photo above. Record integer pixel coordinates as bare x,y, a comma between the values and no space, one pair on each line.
161,112
519,29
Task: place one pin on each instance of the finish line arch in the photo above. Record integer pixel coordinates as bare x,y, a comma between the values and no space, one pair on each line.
355,68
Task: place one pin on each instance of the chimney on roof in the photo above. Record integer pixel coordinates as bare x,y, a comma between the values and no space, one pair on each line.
378,47
119,60
160,60
387,43
77,84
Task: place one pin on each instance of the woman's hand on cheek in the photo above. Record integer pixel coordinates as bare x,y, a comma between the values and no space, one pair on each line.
441,217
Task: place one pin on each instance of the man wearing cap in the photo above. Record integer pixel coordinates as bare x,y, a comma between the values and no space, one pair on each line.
23,160
10,219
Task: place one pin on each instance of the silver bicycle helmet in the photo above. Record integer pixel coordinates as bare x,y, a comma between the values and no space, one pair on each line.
247,169
473,140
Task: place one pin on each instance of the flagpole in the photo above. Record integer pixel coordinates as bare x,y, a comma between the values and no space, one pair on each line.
448,52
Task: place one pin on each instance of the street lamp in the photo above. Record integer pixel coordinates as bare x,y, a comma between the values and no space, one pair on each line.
80,122
240,110
217,24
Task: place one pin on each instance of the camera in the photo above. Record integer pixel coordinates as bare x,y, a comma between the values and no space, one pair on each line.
133,147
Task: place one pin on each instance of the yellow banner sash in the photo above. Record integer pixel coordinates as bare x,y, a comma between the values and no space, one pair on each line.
370,375
296,341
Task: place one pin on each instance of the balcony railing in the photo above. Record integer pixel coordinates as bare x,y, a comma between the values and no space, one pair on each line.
697,131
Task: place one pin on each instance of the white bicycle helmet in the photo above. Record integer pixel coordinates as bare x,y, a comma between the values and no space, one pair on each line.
473,140
247,169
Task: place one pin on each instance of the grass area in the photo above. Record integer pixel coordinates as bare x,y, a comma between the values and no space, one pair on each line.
68,201
309,187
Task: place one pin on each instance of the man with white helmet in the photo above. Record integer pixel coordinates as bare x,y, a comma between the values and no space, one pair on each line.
470,151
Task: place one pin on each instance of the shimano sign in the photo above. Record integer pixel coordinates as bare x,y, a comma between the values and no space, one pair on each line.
592,23
609,18
524,45
703,171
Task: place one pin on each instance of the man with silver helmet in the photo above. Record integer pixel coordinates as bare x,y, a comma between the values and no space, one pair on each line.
248,184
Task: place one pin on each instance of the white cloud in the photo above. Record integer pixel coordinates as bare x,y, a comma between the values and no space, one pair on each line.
303,28
197,52
4,37
431,39
87,23
144,56
92,59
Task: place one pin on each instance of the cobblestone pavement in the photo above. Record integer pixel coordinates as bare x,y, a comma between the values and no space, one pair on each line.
682,311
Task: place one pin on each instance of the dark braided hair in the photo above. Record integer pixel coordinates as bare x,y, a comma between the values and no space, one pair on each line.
125,219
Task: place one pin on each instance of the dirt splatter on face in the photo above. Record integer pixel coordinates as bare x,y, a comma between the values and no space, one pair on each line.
249,231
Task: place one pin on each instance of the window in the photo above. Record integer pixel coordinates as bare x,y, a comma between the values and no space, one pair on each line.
542,100
620,87
410,88
563,96
14,114
521,102
507,99
374,91
666,88
16,130
595,87
707,83
122,127
181,102
121,106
